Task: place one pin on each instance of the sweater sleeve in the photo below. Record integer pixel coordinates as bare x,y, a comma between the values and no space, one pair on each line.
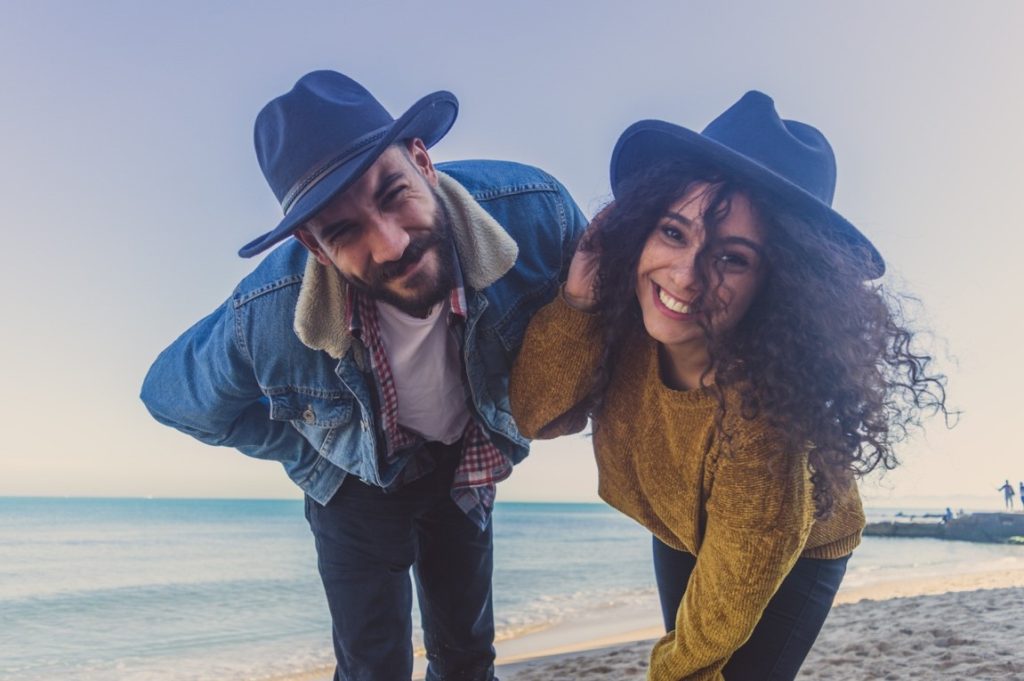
759,514
552,372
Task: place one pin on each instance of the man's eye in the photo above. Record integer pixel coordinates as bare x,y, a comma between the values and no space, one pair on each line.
394,194
340,236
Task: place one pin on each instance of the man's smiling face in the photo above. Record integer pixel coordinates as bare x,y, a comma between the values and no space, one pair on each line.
388,234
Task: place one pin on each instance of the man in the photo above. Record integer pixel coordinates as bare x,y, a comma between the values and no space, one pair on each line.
1007,490
370,356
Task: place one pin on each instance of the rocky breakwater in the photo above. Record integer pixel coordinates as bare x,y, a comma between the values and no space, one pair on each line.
998,528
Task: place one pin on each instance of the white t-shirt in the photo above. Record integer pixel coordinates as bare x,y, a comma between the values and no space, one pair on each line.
425,363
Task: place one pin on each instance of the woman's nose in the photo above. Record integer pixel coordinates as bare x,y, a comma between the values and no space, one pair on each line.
682,274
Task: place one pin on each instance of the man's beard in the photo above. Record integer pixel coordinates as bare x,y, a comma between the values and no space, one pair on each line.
422,290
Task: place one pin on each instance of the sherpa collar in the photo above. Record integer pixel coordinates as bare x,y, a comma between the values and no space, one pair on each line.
485,250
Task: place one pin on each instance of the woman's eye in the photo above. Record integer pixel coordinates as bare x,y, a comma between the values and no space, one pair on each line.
733,260
673,233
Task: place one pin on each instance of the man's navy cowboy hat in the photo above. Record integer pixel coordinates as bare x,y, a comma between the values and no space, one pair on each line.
789,159
316,140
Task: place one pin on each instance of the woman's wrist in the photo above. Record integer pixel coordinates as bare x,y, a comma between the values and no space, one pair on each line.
581,303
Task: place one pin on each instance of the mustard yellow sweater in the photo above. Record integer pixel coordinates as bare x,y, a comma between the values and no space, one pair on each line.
747,516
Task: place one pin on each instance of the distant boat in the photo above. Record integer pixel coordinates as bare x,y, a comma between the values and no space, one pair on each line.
995,528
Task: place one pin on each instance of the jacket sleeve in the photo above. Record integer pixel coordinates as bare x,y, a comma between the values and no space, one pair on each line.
204,385
553,370
759,514
575,227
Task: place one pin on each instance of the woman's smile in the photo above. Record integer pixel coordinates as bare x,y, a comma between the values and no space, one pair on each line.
672,306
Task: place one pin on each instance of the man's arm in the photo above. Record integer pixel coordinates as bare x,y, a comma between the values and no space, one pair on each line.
204,385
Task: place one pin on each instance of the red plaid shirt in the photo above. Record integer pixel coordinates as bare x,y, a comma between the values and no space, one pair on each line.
481,465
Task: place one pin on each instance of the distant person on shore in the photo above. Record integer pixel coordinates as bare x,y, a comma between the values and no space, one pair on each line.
1008,494
723,328
369,356
1022,495
948,515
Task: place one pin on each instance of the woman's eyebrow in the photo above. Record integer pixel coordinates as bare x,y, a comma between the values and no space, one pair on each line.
680,218
743,241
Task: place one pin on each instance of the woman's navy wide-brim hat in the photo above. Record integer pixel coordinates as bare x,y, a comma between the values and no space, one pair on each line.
789,159
314,141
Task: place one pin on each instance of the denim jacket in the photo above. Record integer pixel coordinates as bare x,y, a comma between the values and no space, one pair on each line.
273,373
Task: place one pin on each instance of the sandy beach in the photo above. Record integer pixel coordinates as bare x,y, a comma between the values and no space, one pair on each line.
967,626
962,627
960,635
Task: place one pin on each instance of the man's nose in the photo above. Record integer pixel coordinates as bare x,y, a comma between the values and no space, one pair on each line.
388,242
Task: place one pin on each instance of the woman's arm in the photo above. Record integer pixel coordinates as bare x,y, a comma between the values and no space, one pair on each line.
552,372
559,353
759,514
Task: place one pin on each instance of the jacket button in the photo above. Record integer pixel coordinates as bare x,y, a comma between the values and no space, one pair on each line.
309,416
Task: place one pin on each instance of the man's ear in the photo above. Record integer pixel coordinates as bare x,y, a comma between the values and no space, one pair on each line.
421,159
309,241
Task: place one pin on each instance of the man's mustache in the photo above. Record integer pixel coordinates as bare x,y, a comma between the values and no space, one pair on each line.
413,252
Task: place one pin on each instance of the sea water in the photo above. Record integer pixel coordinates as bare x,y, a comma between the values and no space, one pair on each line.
217,589
228,590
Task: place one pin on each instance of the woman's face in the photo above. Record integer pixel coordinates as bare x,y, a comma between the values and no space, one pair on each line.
667,284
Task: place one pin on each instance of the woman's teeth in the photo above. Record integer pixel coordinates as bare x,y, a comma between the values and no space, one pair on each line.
671,303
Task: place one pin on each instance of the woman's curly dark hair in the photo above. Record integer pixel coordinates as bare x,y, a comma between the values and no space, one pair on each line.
823,356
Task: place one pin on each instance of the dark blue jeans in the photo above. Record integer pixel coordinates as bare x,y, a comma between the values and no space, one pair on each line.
788,627
366,541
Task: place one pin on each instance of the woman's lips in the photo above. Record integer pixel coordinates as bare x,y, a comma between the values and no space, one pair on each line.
671,306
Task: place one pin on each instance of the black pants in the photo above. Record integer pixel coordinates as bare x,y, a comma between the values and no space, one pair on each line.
366,541
788,627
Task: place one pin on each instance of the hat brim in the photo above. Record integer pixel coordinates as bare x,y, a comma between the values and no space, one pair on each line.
649,142
429,119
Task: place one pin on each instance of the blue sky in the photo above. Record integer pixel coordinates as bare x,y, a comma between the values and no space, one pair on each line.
129,181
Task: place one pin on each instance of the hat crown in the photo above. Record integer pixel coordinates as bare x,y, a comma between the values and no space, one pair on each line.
315,140
792,150
325,115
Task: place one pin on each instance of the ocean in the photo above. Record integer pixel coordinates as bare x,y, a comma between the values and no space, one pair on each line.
228,590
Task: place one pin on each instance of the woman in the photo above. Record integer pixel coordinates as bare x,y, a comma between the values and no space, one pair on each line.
720,328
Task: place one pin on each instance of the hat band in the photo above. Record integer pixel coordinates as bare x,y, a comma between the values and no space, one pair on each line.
303,186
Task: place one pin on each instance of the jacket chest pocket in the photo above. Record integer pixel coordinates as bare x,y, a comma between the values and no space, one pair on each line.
309,411
332,422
